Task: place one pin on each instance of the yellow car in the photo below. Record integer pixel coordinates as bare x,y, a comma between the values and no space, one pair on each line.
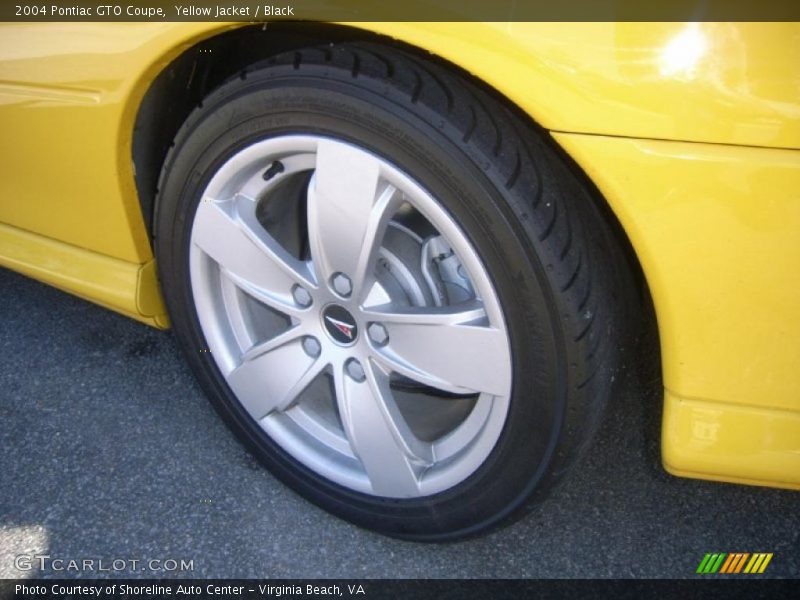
406,260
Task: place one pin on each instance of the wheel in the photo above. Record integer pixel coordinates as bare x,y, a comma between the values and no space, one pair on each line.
391,288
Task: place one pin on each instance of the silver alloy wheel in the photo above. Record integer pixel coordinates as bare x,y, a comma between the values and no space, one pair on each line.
374,352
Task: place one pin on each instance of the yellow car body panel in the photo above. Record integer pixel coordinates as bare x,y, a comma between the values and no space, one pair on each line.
730,83
717,231
128,288
713,214
68,99
728,442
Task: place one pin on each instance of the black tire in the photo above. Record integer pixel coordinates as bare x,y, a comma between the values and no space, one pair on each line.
550,253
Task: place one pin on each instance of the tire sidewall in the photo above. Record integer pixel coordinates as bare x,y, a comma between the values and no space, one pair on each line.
419,142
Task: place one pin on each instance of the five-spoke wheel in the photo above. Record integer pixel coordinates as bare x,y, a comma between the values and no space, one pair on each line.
391,287
386,364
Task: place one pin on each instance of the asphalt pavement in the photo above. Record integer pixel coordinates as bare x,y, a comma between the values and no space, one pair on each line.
110,451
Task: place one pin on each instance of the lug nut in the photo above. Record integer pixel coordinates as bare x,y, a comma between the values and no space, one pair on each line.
301,296
355,370
311,346
341,284
378,334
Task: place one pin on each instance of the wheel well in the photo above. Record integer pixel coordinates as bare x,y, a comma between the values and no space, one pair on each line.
182,85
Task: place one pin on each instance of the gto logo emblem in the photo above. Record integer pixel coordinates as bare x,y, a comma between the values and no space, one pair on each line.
345,328
339,324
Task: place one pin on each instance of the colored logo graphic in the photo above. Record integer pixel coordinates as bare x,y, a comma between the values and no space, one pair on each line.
735,562
340,324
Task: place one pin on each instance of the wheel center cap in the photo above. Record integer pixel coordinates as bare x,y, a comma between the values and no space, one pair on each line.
340,324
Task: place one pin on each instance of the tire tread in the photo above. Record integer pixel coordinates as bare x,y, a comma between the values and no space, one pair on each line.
563,227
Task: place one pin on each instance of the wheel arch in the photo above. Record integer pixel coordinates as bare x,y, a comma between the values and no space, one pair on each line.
180,79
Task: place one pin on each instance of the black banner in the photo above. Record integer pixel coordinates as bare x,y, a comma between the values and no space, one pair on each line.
437,589
407,10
